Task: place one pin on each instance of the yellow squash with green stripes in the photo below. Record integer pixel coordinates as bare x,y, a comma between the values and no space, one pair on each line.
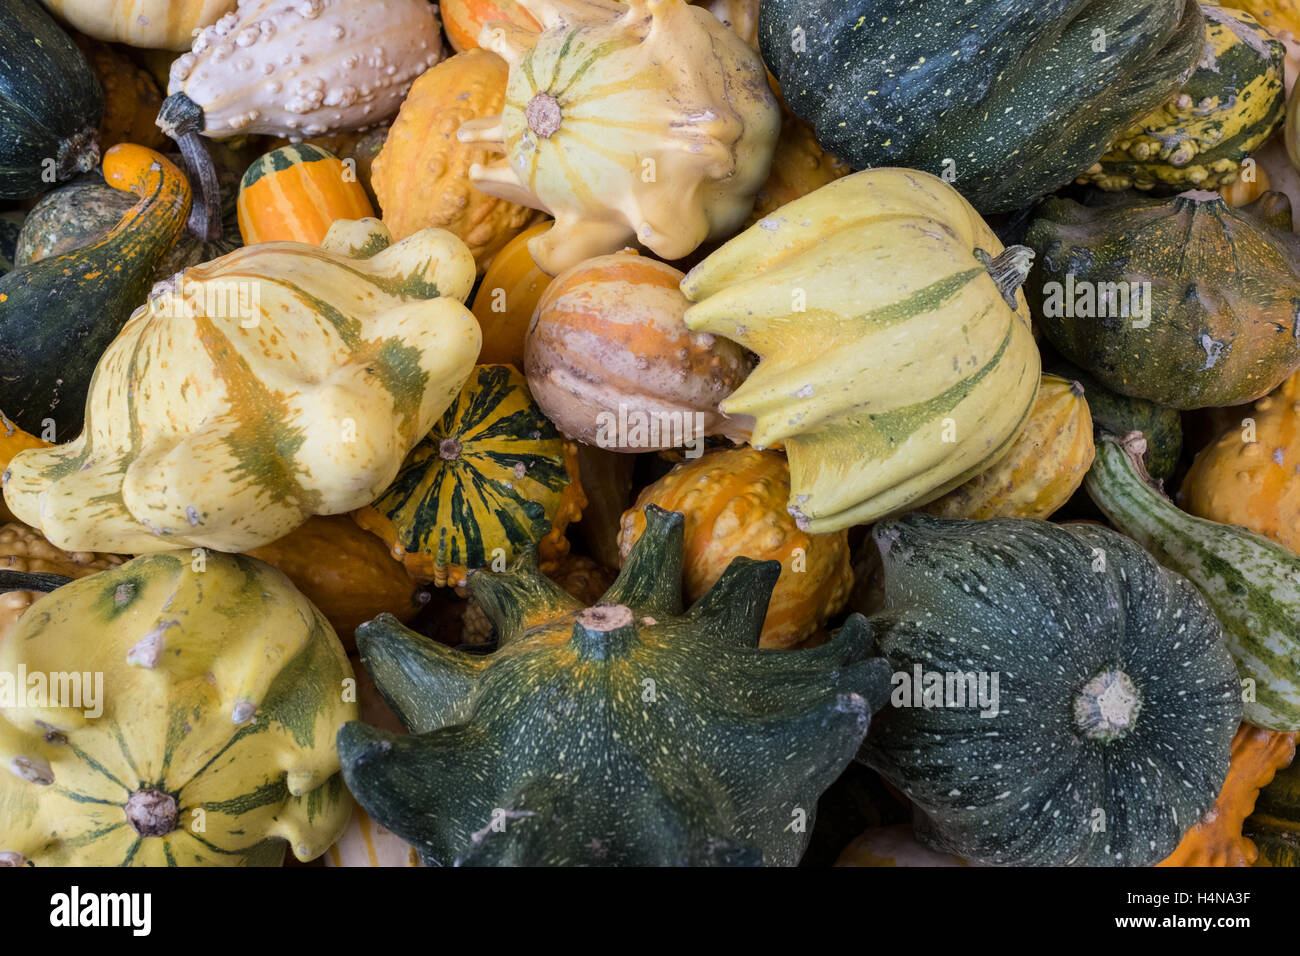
1228,108
192,722
280,381
897,359
295,193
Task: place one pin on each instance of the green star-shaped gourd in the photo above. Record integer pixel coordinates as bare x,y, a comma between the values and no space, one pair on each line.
631,733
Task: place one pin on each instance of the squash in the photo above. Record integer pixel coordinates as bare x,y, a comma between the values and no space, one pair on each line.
1136,293
647,120
307,374
1274,827
1120,415
579,576
1251,582
1243,191
490,479
295,193
734,502
506,299
1277,15
905,369
1198,138
154,24
13,440
421,176
1006,99
1108,732
627,733
464,19
362,156
799,167
893,846
11,224
611,362
740,15
345,571
1044,467
50,103
131,98
198,661
57,316
1217,840
1248,476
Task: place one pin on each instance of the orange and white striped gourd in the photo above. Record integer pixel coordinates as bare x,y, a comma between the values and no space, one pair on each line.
295,193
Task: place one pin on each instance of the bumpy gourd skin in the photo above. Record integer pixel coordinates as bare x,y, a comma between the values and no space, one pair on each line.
628,733
280,381
1015,93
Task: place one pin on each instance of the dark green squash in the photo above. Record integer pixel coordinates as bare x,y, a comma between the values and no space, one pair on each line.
1119,415
1116,701
1215,321
626,733
57,316
1009,98
50,103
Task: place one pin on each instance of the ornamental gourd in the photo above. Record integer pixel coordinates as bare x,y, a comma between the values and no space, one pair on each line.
1251,582
506,299
1274,827
915,320
1248,476
306,375
222,692
1044,467
295,193
799,167
464,19
1170,324
131,98
647,120
58,315
611,361
50,103
553,734
153,24
492,478
1198,138
734,503
1115,694
1013,99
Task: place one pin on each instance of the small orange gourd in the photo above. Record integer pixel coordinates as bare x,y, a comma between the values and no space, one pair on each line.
464,19
1243,191
295,193
13,440
507,298
734,502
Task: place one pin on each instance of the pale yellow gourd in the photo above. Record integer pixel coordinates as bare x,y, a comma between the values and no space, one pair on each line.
153,24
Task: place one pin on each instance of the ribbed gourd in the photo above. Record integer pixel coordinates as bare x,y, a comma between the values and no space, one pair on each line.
280,381
896,356
647,120
207,738
626,733
295,193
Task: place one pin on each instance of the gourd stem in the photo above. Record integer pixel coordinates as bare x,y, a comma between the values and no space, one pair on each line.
151,812
1008,269
205,213
31,581
604,631
79,153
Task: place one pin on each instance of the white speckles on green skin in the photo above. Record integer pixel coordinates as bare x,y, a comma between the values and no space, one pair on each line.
1035,789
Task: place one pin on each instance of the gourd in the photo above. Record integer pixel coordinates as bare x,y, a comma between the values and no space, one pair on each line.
734,503
1277,15
13,440
1217,840
740,15
57,316
1247,477
227,660
553,729
1120,415
1242,191
579,576
295,193
131,98
1044,467
1251,582
893,846
294,69
1013,99
153,24
1198,138
50,102
684,171
611,361
464,19
421,176
489,480
908,277
506,299
345,571
799,167
1203,335
11,224
1274,827
307,375
1115,694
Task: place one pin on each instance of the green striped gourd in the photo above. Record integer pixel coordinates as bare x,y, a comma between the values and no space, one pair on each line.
1252,583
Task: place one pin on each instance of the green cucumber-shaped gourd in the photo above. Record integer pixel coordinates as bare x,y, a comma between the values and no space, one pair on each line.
1252,583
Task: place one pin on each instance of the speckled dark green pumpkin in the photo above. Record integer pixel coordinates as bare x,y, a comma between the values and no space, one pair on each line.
1223,326
1011,97
1117,701
627,733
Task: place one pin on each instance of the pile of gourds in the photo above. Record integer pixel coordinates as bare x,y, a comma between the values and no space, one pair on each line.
561,432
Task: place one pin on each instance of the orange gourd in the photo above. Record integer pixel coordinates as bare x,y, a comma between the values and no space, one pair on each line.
734,502
13,440
464,19
295,193
1216,839
799,166
507,298
1241,192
